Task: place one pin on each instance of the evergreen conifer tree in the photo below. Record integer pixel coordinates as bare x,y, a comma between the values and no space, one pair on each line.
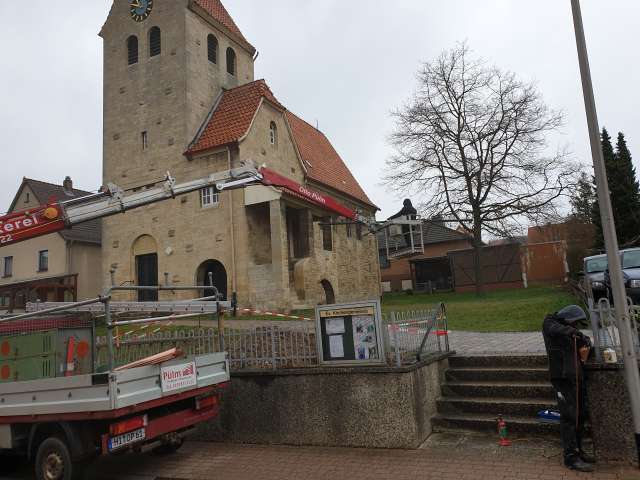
625,193
582,200
627,205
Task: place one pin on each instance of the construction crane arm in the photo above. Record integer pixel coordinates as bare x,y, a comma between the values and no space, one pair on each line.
24,225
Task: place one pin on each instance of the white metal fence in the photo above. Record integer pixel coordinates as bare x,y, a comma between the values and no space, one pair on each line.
412,335
605,330
409,336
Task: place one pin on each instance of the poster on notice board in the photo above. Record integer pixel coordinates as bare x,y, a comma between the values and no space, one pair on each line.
350,334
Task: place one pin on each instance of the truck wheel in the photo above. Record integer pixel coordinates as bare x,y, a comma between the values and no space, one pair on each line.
169,448
53,461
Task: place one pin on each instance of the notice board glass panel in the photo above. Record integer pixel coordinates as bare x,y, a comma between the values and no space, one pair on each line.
350,334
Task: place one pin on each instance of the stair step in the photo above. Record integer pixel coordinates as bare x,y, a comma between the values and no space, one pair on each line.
488,423
525,407
516,374
498,389
526,361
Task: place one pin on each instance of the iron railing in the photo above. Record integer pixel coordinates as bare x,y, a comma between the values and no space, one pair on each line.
409,337
605,331
269,347
412,335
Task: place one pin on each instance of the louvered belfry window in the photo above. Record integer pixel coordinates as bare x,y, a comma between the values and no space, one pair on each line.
132,50
212,48
231,61
155,42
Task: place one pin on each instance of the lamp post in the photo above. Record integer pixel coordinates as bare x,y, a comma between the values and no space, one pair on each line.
623,320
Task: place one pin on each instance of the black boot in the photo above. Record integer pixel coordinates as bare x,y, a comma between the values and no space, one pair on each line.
576,463
585,457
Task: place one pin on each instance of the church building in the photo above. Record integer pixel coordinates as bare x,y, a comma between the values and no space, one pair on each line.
180,96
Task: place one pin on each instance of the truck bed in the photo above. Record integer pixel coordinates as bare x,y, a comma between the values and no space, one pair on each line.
103,393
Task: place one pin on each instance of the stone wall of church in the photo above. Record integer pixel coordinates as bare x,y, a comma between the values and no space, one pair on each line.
205,79
352,267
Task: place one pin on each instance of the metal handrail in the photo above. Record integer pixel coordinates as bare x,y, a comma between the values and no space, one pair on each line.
63,308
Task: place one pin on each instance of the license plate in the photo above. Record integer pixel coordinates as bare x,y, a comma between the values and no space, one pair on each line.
125,439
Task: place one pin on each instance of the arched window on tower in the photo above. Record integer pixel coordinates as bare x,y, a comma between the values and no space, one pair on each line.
155,42
132,50
212,48
273,134
231,61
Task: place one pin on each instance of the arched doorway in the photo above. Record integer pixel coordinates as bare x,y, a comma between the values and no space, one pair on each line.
145,254
328,292
214,270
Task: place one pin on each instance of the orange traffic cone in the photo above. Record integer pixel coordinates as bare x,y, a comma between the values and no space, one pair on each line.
502,431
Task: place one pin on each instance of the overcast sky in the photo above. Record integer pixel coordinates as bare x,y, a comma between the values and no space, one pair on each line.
343,63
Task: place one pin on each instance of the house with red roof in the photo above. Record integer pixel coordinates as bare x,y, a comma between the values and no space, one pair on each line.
60,266
180,96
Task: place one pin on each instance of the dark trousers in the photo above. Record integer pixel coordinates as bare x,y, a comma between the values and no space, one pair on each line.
573,412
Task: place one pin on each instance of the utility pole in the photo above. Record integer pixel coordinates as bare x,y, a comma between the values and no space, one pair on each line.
608,228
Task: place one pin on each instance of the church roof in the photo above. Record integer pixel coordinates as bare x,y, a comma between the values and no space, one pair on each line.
231,118
323,163
45,192
216,9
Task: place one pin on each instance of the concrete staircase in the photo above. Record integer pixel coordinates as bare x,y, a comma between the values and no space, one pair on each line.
477,389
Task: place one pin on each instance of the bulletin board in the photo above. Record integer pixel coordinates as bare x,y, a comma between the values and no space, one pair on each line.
350,334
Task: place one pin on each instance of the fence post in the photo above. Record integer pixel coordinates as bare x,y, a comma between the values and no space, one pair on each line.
438,328
219,314
595,328
446,327
273,348
396,346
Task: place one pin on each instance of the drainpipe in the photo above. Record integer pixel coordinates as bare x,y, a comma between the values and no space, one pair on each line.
234,277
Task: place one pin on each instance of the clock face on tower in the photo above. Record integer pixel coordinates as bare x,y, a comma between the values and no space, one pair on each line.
140,9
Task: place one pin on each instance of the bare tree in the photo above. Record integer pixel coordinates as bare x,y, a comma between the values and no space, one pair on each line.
472,142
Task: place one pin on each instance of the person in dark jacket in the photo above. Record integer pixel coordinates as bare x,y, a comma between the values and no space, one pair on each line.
564,342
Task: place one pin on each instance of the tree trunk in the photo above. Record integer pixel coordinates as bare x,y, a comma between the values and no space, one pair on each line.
477,256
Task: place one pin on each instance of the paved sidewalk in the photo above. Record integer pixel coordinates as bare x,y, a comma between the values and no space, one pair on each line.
203,461
500,343
466,343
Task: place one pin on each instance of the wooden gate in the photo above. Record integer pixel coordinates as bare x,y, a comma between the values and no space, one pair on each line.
501,267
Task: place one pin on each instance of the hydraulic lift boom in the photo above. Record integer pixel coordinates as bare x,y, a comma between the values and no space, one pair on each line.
24,225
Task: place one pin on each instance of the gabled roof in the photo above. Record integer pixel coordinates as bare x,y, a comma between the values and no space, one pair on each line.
433,232
45,192
216,9
231,118
232,115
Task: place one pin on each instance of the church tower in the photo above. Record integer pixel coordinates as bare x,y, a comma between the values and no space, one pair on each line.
165,63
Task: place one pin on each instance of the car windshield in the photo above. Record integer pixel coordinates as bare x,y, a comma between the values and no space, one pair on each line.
596,265
631,259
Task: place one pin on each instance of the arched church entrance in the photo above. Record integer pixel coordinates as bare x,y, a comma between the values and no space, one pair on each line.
212,271
145,254
328,292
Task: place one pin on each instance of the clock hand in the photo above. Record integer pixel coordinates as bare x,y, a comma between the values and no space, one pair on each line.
136,4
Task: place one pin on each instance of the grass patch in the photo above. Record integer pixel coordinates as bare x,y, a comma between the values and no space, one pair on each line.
520,310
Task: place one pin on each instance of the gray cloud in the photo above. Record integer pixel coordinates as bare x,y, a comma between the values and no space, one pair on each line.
344,64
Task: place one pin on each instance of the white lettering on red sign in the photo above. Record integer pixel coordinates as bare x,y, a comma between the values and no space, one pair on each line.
313,195
16,224
177,377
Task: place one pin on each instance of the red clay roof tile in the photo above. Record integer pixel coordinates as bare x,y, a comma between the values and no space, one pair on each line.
323,163
232,117
219,13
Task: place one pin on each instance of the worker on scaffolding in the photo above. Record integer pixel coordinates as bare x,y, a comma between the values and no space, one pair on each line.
568,348
408,211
